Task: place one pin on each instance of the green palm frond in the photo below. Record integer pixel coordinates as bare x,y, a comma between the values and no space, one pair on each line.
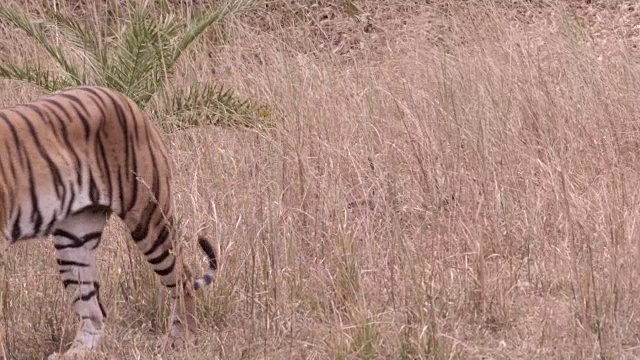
138,58
210,104
207,18
82,36
138,54
34,74
35,32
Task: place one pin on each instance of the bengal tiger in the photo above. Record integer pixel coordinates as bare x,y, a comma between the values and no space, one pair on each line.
70,160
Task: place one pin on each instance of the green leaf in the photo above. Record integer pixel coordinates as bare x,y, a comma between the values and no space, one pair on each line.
137,58
84,38
56,52
209,104
34,74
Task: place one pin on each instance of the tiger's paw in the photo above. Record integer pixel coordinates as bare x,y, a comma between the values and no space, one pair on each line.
179,337
71,354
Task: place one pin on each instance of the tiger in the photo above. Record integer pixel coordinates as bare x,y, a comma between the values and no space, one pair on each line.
68,161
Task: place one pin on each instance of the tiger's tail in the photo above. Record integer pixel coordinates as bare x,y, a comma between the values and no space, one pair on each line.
210,275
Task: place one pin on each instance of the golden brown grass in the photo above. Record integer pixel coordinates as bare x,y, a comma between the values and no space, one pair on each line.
460,183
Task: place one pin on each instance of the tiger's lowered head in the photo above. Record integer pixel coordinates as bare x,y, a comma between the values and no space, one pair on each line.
70,160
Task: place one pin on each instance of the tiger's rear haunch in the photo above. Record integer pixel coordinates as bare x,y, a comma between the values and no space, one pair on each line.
67,162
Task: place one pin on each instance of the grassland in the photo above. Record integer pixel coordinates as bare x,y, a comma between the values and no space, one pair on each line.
450,180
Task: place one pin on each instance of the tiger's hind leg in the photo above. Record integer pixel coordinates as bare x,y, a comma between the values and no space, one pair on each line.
76,239
152,231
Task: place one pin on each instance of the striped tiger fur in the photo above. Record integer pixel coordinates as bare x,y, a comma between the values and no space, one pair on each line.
68,161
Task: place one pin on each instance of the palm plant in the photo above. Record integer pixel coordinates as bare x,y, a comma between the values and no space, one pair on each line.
137,57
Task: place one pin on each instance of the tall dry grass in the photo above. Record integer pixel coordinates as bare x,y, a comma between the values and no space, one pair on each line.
463,185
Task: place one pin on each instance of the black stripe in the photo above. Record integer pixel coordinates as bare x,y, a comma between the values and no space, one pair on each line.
120,184
72,197
156,179
94,193
91,236
160,258
9,149
17,143
106,172
54,219
67,282
142,229
162,238
66,234
97,286
76,242
65,135
130,155
71,263
53,167
133,173
36,215
15,232
5,176
73,245
131,111
208,250
167,271
85,297
83,119
45,117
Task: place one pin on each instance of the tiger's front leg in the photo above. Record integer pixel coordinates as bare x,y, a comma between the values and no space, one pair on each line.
75,240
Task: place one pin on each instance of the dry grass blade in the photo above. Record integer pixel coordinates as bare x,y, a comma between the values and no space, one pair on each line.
206,19
449,180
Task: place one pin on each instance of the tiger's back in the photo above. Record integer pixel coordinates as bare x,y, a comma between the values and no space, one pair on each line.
70,160
81,147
